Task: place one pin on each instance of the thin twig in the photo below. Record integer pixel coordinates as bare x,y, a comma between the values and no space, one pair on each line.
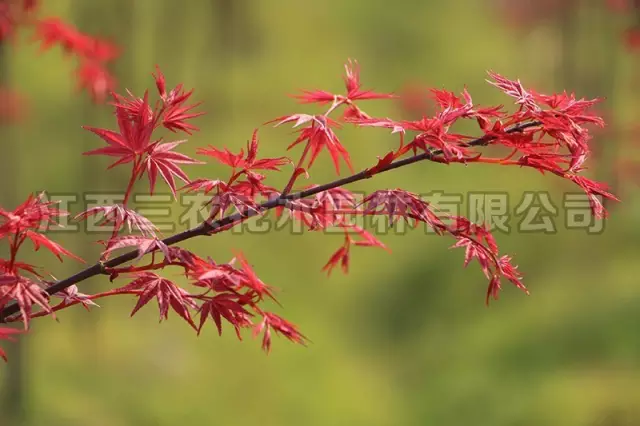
207,228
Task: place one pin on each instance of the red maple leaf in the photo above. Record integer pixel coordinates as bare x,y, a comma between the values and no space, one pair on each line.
25,293
353,86
366,238
217,277
161,159
132,142
251,280
248,161
71,295
177,114
39,240
382,163
227,306
168,295
221,202
398,203
133,138
332,205
7,267
342,256
280,326
514,89
34,213
118,215
204,185
593,190
142,244
318,136
22,223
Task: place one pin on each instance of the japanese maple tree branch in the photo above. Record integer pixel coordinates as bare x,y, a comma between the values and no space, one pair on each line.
206,228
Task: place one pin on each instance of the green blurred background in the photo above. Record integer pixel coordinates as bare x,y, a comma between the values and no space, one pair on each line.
405,338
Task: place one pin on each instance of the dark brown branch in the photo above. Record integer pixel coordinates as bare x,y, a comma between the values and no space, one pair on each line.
207,228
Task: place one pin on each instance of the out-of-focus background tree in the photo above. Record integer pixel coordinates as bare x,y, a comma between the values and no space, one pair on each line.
404,339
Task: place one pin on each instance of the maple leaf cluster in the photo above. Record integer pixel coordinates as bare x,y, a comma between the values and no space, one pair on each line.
22,283
625,14
547,133
93,54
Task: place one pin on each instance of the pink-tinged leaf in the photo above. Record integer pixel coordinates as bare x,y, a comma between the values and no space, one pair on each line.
493,290
593,190
161,159
315,96
514,89
204,185
510,272
25,293
31,214
71,295
240,201
142,244
217,277
367,239
386,123
299,120
505,269
118,215
397,204
280,326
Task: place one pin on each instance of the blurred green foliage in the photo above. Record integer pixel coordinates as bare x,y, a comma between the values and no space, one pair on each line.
404,339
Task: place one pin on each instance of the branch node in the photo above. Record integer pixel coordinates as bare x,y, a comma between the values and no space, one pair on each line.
103,268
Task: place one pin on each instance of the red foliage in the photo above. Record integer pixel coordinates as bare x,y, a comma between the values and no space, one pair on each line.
548,133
